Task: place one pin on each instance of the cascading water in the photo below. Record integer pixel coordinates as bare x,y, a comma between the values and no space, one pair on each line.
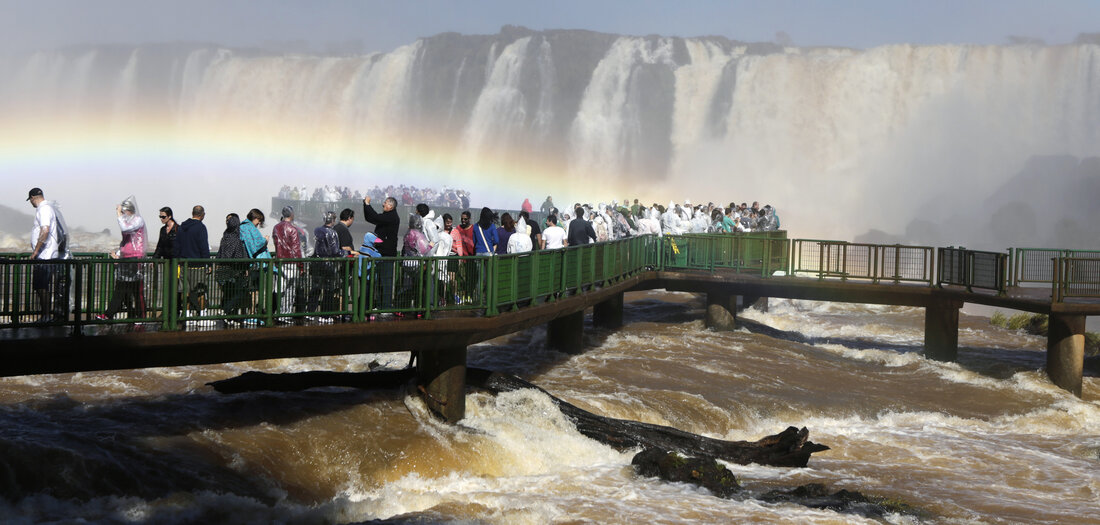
894,133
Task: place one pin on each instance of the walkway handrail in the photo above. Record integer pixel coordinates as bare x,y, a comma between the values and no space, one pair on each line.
1075,277
1032,265
874,262
973,269
172,293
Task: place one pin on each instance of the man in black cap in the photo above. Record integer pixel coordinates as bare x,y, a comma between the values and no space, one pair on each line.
50,241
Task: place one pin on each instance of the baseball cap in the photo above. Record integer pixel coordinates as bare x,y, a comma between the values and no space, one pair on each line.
35,192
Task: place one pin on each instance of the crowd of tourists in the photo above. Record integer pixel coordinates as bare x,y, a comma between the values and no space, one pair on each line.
317,286
406,195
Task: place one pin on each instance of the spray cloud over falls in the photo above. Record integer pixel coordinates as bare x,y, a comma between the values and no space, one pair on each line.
840,140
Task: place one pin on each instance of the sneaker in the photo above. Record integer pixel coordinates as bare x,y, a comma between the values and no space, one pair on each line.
101,317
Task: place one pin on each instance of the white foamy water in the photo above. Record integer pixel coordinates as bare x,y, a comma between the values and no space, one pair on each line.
951,440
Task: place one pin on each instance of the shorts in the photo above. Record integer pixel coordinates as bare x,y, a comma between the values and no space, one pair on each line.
43,275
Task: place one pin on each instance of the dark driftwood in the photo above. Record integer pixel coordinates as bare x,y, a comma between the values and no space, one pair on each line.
789,448
293,382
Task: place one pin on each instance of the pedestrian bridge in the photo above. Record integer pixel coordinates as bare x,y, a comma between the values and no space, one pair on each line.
193,312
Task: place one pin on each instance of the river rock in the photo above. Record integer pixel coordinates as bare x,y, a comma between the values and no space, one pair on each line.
670,466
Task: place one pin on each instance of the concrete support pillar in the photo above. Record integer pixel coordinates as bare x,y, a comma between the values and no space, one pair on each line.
441,380
1066,351
721,311
609,313
566,333
941,331
750,301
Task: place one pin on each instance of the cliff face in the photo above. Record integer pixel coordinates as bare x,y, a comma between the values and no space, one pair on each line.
889,133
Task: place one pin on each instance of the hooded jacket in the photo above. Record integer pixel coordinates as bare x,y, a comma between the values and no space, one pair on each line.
192,241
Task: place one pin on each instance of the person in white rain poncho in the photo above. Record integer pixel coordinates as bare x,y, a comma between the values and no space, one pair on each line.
129,284
521,240
670,220
650,223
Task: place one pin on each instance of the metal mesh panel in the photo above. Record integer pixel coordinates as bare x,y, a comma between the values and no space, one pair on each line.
1033,265
952,266
987,270
1082,278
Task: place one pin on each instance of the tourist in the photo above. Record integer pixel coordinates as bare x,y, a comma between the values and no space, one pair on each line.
580,230
129,285
507,228
485,234
415,245
547,205
343,231
288,240
520,241
192,243
466,230
324,275
526,206
430,228
168,231
386,224
49,239
533,231
554,236
232,277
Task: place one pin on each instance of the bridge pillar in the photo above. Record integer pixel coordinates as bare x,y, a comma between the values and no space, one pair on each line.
941,330
609,313
441,379
721,311
749,301
1066,351
566,333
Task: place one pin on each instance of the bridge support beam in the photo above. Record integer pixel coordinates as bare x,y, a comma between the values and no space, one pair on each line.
941,330
609,313
721,311
566,333
1066,351
441,380
749,301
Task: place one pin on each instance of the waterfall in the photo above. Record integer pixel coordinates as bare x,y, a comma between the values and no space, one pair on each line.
891,134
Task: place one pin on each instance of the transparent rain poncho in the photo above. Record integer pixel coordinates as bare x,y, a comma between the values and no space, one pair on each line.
133,230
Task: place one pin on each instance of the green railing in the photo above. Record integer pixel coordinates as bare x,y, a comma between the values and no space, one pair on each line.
1033,265
1075,277
211,293
762,253
973,269
874,262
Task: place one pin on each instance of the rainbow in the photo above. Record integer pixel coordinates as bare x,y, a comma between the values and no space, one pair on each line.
268,155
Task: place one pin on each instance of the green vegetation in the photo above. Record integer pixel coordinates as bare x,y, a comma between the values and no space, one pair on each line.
1037,324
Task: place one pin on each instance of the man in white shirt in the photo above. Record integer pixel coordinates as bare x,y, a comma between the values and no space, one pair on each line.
49,242
554,235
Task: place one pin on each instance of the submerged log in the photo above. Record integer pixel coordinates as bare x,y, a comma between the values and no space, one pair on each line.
293,382
789,448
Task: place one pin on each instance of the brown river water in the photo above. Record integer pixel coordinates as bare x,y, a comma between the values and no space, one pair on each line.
986,440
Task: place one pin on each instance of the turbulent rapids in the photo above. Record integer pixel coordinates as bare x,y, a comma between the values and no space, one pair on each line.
159,445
